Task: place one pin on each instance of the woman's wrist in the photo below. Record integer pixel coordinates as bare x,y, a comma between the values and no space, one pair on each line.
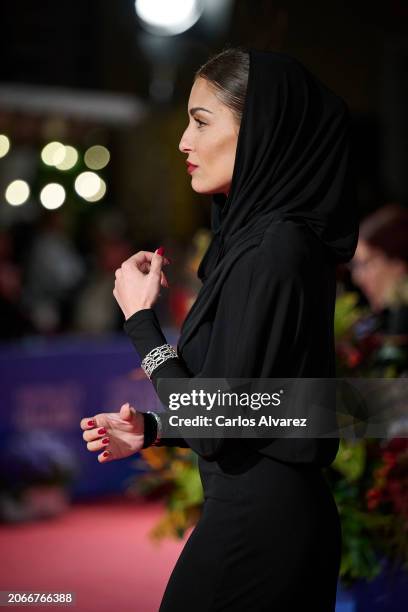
144,329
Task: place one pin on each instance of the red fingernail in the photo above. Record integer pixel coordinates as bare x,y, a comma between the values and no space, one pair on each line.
105,454
160,250
105,441
91,423
102,430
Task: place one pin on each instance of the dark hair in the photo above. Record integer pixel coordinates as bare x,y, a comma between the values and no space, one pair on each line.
227,72
387,229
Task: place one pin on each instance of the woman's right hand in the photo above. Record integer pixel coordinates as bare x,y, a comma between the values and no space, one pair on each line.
124,431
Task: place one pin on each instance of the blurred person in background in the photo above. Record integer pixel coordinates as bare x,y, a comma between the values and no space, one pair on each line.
14,323
270,142
95,312
54,271
380,264
185,288
380,269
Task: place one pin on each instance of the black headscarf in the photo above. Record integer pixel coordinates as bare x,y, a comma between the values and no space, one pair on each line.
292,162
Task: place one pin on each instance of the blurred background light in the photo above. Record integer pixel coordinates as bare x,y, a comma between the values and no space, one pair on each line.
99,194
70,158
111,107
52,196
168,18
17,192
97,157
87,184
4,145
53,153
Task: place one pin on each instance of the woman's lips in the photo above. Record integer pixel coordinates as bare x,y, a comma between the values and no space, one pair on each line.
191,168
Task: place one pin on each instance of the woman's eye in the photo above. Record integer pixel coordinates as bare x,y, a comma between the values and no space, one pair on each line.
200,123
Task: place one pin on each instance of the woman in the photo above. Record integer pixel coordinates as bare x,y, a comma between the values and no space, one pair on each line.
380,269
380,264
270,143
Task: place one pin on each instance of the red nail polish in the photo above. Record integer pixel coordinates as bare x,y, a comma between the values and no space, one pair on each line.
102,430
91,423
105,441
105,454
160,250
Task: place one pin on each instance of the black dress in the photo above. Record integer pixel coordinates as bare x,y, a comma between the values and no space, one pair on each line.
269,537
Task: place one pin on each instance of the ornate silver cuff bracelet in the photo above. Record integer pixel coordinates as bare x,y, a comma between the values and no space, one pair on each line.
156,357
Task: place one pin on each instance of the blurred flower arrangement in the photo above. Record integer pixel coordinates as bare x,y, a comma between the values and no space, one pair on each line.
369,481
369,477
362,347
173,475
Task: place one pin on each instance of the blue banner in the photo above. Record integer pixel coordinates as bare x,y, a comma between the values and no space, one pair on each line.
49,385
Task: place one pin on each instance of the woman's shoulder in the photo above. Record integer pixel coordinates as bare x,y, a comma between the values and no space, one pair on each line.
290,246
287,250
288,234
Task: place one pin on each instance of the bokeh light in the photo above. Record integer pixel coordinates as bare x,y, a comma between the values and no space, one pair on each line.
17,192
70,158
53,153
4,145
99,194
87,184
52,196
97,157
168,18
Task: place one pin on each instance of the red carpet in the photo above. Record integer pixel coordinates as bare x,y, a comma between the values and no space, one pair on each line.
99,550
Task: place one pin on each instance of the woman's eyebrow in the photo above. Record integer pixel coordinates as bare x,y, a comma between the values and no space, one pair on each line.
192,111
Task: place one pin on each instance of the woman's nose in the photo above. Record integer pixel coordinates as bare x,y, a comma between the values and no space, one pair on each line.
184,145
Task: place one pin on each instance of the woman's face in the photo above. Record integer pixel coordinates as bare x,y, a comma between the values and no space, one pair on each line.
210,140
375,273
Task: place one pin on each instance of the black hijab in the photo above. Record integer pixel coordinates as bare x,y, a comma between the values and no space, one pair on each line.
292,162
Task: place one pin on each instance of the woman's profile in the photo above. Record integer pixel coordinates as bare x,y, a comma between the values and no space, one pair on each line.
270,143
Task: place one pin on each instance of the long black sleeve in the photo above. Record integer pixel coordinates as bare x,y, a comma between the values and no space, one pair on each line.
145,332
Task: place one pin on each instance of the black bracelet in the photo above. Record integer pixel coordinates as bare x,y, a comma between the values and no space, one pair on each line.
150,429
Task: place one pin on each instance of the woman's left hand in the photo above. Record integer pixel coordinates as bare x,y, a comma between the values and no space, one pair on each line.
138,282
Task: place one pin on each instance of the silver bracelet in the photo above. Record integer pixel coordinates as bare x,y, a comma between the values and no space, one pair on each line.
156,357
159,427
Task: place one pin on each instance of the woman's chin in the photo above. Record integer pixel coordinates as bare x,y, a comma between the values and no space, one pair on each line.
199,188
203,189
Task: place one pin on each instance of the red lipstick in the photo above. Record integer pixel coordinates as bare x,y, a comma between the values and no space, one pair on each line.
191,167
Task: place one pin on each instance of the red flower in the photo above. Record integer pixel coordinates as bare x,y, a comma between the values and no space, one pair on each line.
354,357
351,355
389,459
373,497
